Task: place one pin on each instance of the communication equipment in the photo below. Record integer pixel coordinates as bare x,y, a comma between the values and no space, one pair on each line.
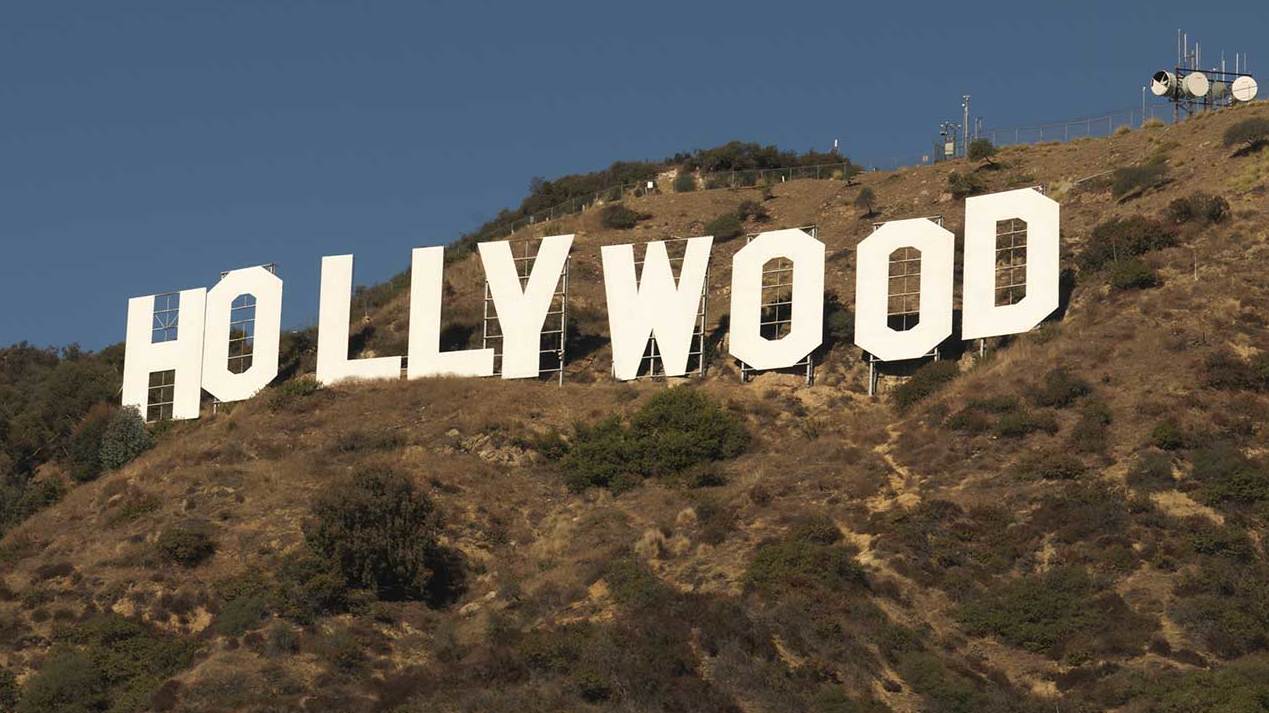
1164,84
1191,88
1244,88
1196,85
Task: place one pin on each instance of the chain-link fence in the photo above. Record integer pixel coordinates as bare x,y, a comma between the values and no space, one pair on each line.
708,181
1103,125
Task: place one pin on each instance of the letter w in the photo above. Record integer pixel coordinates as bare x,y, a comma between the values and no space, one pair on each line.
653,305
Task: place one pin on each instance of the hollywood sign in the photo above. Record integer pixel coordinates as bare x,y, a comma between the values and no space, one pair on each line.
642,304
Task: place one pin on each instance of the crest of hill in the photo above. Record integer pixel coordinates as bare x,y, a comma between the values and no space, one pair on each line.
1076,519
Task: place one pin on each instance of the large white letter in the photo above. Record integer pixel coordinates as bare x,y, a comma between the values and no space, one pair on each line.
652,305
522,308
181,353
980,316
266,330
807,328
427,282
333,364
872,289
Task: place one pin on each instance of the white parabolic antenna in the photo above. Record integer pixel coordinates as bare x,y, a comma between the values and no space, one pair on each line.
1244,88
1162,83
1195,84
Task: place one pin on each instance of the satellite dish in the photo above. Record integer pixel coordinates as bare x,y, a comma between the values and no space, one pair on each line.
1244,88
1196,84
1162,84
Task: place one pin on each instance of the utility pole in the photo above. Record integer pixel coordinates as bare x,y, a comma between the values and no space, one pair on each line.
965,124
1143,106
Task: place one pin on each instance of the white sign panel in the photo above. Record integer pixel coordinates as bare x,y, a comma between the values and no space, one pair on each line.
643,303
807,295
873,332
266,289
652,304
333,364
982,317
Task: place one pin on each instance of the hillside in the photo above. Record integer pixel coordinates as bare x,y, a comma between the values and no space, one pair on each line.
1073,522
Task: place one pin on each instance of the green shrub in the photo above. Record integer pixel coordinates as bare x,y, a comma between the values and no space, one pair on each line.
187,545
241,614
1228,476
8,691
1059,613
752,210
308,587
1223,369
1199,207
1089,433
981,150
1226,603
839,323
1239,687
1059,389
682,427
632,585
1133,274
684,182
1249,134
381,533
84,449
67,683
1151,471
725,227
105,663
619,217
124,438
20,498
341,650
941,687
282,639
1124,181
676,430
866,199
1168,435
806,563
1050,465
924,382
1022,423
1120,238
963,185
288,393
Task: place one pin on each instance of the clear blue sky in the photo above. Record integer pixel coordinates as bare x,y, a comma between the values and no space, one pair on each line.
146,146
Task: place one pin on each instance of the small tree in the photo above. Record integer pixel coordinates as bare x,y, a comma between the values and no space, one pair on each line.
84,449
753,210
125,438
685,182
188,545
381,533
725,227
1248,134
982,150
962,185
865,200
1133,274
